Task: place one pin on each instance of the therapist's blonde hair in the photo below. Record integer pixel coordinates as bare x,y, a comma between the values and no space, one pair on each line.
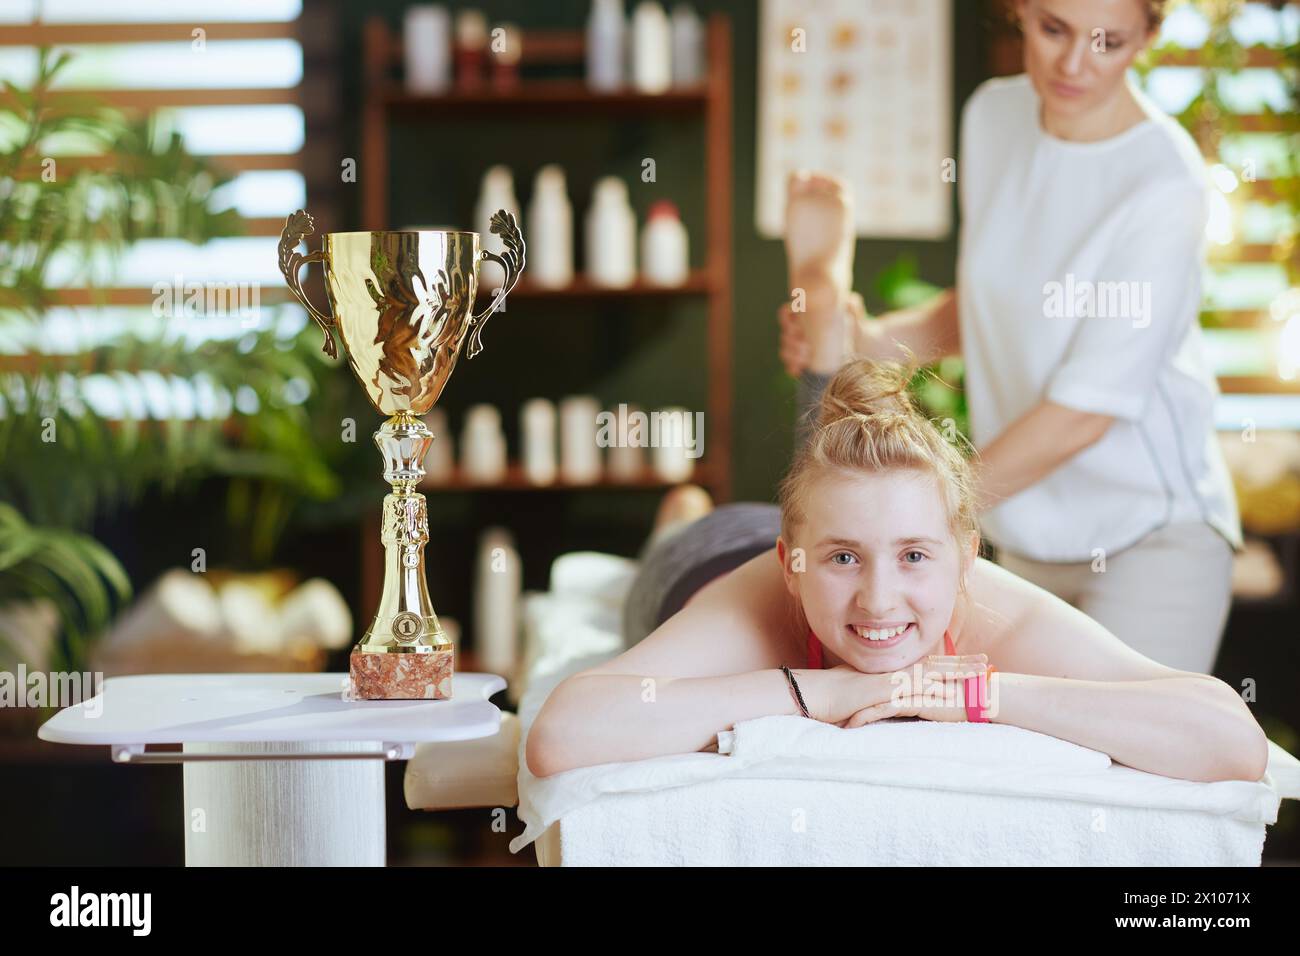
867,421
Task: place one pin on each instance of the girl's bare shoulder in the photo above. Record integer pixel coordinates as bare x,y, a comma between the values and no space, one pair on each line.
1028,630
987,611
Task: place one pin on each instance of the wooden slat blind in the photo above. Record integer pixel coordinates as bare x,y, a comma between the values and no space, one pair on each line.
317,98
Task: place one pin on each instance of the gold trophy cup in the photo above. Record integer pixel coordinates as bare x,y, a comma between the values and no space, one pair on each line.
403,303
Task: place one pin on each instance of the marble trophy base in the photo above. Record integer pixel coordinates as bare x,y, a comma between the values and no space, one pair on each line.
400,676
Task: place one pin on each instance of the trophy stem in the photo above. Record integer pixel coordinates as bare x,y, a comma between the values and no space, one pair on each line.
405,653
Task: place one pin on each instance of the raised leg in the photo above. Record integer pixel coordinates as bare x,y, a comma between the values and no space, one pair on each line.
683,503
819,238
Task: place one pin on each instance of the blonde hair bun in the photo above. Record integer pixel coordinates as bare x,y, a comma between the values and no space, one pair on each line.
868,422
872,390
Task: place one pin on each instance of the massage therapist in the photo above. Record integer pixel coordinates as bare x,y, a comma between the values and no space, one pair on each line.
1083,211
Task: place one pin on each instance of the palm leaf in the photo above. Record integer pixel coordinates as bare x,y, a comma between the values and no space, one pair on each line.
81,577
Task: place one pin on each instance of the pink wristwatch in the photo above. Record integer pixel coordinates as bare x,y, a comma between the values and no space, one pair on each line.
977,697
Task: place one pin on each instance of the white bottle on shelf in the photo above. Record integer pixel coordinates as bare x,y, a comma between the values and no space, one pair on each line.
652,70
606,31
505,51
688,47
469,55
426,40
665,258
550,230
580,459
498,589
496,192
610,235
537,426
626,460
671,461
482,444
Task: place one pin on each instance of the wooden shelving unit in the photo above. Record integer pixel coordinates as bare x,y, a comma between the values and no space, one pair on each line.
385,102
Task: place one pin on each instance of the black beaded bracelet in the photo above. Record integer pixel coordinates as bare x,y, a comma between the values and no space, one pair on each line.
794,686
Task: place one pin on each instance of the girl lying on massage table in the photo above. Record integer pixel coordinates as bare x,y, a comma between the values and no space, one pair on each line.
875,569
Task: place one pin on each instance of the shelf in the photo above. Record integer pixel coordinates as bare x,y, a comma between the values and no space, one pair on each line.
386,103
697,283
516,480
542,96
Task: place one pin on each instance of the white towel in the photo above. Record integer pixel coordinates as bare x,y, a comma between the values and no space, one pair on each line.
801,822
762,750
906,739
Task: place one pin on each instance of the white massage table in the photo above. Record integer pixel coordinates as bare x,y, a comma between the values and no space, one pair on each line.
782,807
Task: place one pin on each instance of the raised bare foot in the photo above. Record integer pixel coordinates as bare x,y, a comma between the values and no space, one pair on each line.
819,238
683,503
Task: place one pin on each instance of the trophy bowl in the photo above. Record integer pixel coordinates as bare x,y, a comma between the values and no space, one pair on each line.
402,303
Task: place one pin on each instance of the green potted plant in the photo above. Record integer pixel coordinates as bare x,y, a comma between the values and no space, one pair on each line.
63,460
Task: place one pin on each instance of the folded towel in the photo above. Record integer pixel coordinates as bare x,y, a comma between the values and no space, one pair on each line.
559,629
605,577
905,739
1283,771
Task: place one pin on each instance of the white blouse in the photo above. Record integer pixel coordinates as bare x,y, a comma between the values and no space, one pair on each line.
1079,282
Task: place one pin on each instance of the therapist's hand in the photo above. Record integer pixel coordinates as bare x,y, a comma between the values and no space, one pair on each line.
822,342
795,351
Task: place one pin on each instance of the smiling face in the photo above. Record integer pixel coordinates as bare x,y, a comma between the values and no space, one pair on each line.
882,568
1063,50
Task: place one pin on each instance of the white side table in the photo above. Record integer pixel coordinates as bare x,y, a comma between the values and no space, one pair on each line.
280,769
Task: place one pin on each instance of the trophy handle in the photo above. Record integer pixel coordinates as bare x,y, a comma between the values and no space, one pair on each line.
297,227
504,225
